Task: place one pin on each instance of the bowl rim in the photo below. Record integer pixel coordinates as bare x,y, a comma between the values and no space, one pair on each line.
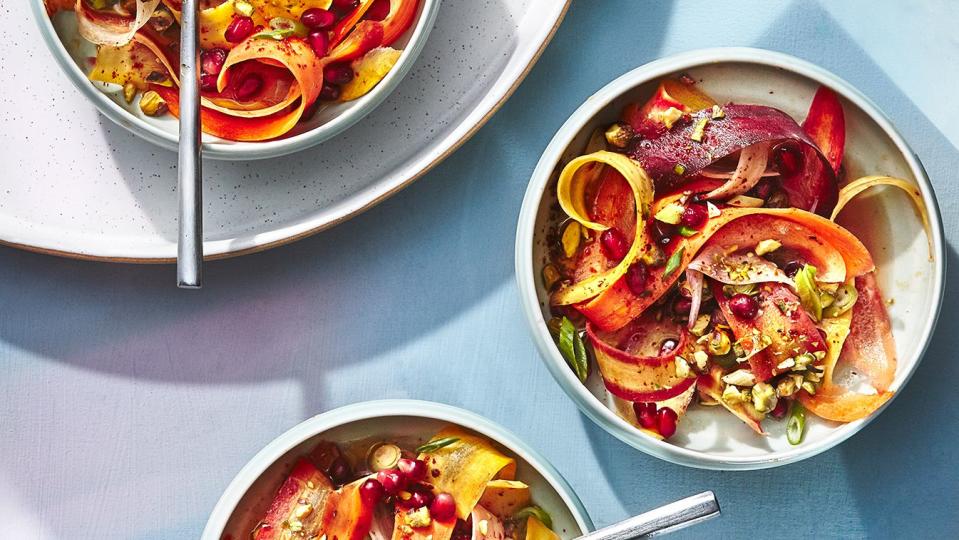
366,410
242,151
543,173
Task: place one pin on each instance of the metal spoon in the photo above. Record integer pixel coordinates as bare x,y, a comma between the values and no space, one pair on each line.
189,268
662,520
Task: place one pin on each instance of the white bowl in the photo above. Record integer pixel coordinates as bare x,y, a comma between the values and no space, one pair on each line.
710,438
246,498
72,51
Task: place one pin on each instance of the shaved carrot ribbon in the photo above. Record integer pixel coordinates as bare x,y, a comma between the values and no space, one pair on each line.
103,28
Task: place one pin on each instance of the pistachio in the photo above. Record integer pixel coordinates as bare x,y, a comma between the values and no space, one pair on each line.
803,361
682,367
571,237
152,104
718,112
653,256
679,169
670,116
767,246
845,298
418,518
786,387
764,397
618,135
700,357
551,276
718,344
303,510
244,9
809,387
699,327
733,395
786,364
740,377
129,92
672,213
699,129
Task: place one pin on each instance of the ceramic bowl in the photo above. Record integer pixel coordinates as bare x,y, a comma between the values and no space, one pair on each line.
884,220
72,53
246,498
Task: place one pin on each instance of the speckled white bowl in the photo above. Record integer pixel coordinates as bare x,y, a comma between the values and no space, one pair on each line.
246,498
884,220
71,52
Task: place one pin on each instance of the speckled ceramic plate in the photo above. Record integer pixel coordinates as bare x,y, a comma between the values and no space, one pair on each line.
86,188
249,494
884,220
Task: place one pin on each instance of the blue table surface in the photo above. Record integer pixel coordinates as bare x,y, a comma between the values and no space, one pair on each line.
127,405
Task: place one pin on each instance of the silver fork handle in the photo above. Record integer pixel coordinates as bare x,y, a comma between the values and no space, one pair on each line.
189,267
662,520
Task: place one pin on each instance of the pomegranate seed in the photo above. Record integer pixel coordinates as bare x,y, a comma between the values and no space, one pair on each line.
636,278
666,421
329,93
694,215
338,74
319,41
443,507
378,11
249,87
420,498
318,18
393,482
239,29
645,414
413,469
682,306
668,346
207,82
211,60
780,409
792,268
788,159
764,188
613,244
371,492
339,471
744,306
344,4
664,232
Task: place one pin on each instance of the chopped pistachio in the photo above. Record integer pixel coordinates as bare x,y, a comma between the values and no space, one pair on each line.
418,518
129,92
718,344
672,213
740,377
679,169
712,210
152,104
551,276
682,367
571,237
699,129
786,387
700,325
743,201
764,397
786,364
618,135
653,256
809,387
767,246
845,298
733,395
295,525
244,9
670,116
700,357
803,361
303,510
718,112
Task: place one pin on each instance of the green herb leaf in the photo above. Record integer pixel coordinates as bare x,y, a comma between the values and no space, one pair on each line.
809,292
573,349
796,424
436,444
686,232
673,263
537,513
846,297
282,28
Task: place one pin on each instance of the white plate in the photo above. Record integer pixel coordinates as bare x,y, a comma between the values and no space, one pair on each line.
886,223
72,53
86,188
249,494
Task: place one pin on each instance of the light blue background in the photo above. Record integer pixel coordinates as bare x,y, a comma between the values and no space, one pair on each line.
127,405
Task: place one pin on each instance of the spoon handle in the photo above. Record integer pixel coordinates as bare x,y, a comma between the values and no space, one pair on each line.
189,267
662,520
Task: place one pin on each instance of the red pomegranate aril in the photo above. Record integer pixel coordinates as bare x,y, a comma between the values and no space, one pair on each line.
420,498
393,482
339,471
666,422
443,507
792,268
682,306
207,82
694,215
636,278
318,18
764,188
413,469
378,11
664,232
780,409
344,4
645,414
788,159
338,74
319,41
211,60
613,244
329,93
239,29
744,306
372,492
249,87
